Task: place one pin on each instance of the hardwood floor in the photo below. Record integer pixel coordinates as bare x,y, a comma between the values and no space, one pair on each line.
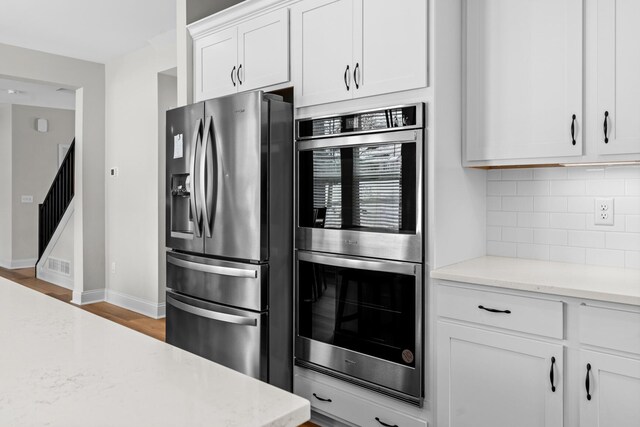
152,327
148,326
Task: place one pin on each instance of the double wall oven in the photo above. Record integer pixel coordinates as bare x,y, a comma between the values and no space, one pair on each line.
359,248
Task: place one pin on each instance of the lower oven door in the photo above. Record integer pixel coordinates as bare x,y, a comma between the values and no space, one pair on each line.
361,319
231,337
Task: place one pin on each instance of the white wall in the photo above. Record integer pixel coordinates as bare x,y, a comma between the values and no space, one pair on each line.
35,164
549,213
5,187
88,77
132,231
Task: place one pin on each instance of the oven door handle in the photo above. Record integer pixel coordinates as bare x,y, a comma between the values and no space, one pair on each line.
214,269
350,262
213,315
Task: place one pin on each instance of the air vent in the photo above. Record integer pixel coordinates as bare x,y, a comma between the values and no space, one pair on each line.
59,266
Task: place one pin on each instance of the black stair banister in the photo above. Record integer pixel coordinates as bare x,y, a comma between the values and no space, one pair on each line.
60,194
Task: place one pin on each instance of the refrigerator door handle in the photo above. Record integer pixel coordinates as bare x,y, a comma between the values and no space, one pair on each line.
214,315
214,269
206,177
197,141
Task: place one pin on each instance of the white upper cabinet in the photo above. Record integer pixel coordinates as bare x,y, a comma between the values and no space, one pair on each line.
322,42
523,79
618,77
355,48
215,59
247,56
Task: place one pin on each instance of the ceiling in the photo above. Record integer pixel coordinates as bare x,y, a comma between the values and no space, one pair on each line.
36,94
93,30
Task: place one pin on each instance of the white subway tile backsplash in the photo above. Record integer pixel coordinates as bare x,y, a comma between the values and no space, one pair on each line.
531,251
622,172
580,204
605,257
533,220
494,175
625,241
494,233
501,188
549,204
533,188
494,203
567,221
516,204
549,214
585,173
605,187
502,249
632,187
503,219
632,259
567,188
548,174
633,224
547,236
586,239
567,254
517,174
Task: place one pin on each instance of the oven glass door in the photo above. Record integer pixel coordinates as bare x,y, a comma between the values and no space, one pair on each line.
344,303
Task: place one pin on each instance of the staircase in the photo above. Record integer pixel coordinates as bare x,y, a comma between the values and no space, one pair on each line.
60,194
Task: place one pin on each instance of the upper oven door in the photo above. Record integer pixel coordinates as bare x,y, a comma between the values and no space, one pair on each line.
361,195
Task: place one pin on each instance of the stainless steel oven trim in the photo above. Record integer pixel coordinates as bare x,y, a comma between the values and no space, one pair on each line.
355,140
359,263
406,247
383,377
419,121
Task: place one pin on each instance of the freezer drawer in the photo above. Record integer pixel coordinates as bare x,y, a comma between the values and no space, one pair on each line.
231,337
225,282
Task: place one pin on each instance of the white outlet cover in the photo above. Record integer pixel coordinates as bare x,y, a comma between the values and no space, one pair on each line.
604,212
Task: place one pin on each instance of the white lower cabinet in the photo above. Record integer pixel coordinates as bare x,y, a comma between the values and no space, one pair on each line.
347,407
610,396
500,354
494,379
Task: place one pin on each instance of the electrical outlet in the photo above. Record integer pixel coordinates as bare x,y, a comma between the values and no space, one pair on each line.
114,172
604,211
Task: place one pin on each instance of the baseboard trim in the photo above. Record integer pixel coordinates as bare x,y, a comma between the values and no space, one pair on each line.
149,309
55,278
88,297
18,263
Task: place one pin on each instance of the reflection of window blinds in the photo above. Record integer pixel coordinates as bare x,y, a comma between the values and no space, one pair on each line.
377,186
327,189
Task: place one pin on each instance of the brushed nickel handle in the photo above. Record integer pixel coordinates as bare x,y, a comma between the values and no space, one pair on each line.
213,315
214,269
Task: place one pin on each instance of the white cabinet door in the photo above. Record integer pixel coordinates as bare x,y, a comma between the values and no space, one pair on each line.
322,42
263,51
493,379
393,40
618,76
523,79
613,398
215,64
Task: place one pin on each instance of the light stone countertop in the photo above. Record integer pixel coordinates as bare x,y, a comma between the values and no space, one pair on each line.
62,366
619,285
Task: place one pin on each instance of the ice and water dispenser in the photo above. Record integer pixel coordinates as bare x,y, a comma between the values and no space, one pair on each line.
181,212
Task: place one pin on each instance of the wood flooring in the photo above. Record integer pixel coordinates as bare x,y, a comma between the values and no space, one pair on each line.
153,327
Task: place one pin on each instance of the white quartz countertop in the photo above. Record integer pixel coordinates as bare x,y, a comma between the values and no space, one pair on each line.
62,366
620,285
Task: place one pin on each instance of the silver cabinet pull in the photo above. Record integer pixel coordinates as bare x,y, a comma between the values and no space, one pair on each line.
213,315
214,269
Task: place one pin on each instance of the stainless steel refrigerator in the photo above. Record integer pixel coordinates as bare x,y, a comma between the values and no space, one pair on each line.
229,233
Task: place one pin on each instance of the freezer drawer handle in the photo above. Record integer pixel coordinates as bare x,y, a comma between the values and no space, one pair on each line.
214,315
214,269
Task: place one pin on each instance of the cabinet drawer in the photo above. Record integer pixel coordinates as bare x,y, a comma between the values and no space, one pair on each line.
523,314
610,328
353,409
